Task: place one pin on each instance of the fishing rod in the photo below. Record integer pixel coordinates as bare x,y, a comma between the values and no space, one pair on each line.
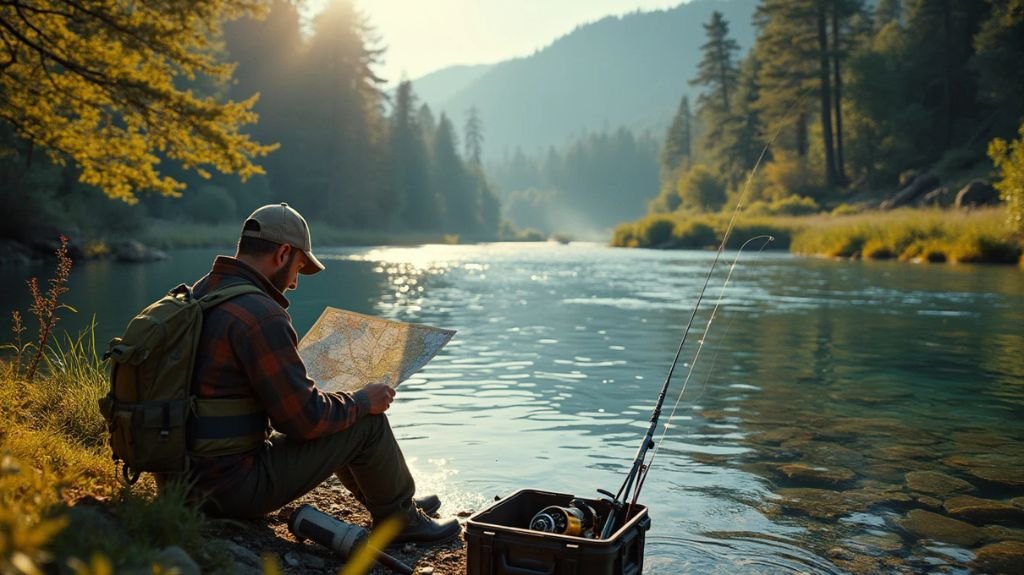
616,502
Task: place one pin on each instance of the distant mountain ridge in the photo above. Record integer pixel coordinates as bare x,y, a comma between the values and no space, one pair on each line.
626,70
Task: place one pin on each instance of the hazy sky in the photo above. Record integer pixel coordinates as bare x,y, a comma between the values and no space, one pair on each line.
425,35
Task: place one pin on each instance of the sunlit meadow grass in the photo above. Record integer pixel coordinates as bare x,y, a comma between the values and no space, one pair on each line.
978,236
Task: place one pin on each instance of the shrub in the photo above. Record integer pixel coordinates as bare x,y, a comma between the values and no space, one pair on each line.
656,231
1008,157
789,175
845,209
701,190
694,234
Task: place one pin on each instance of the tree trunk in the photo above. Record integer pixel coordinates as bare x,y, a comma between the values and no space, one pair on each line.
825,90
947,84
838,102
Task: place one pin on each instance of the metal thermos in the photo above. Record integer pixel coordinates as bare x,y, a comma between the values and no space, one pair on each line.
308,522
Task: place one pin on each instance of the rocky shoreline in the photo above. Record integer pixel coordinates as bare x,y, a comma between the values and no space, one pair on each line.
14,252
242,546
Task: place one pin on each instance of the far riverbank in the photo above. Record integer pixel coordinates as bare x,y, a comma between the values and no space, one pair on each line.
915,235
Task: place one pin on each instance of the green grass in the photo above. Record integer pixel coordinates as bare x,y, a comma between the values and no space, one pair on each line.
53,453
701,231
978,236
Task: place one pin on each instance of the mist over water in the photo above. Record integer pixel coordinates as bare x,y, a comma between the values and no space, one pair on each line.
820,386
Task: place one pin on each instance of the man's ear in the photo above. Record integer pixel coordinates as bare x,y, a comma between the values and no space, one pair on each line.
281,254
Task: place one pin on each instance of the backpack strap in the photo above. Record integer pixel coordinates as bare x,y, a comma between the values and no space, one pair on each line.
221,295
225,426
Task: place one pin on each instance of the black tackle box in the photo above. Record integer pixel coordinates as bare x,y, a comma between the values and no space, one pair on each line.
500,542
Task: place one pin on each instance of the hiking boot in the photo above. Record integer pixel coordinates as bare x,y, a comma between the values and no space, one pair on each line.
421,528
429,504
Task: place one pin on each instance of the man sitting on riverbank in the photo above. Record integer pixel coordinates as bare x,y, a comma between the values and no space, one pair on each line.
247,352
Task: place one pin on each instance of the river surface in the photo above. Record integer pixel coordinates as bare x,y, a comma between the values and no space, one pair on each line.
838,418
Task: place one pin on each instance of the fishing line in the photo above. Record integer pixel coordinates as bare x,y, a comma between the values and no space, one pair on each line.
638,465
696,356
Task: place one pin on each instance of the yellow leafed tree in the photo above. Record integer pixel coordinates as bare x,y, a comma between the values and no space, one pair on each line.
102,83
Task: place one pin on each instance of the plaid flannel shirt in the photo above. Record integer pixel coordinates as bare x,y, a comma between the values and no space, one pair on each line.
248,349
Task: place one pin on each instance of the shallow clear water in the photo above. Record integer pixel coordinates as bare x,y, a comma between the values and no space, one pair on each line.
819,387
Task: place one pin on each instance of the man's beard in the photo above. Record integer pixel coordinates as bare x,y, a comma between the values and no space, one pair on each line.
279,278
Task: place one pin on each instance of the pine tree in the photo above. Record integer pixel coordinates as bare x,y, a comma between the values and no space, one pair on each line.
742,136
343,136
462,205
887,11
675,152
717,74
420,208
474,135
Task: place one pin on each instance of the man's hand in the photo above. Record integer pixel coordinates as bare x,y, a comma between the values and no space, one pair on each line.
381,396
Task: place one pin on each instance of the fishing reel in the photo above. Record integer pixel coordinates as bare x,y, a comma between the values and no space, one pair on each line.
578,519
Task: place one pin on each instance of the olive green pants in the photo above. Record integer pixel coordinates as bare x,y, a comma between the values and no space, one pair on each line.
366,458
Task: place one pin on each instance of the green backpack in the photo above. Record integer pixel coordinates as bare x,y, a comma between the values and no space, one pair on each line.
155,421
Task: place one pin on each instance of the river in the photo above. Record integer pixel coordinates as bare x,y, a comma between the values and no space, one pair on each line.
839,418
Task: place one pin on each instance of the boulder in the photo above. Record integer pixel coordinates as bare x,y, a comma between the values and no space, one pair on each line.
133,251
246,561
1003,557
936,483
982,510
927,525
919,185
45,239
175,559
976,193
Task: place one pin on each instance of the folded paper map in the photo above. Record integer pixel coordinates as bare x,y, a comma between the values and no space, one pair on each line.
345,351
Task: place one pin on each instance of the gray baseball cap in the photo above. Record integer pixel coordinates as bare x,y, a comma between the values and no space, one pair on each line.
281,224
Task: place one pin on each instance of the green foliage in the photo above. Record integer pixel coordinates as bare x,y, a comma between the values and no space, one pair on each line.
657,232
698,231
700,190
675,152
789,175
694,234
102,86
210,205
1008,158
785,206
717,73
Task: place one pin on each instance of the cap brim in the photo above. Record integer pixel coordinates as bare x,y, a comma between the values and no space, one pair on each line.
314,266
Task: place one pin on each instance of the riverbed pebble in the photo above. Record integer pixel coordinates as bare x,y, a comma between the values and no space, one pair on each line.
936,483
927,525
1002,557
980,510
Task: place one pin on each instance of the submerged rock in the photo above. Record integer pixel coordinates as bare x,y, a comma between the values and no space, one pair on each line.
1002,557
878,545
927,525
902,452
819,503
1002,533
811,474
1006,477
936,483
983,510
